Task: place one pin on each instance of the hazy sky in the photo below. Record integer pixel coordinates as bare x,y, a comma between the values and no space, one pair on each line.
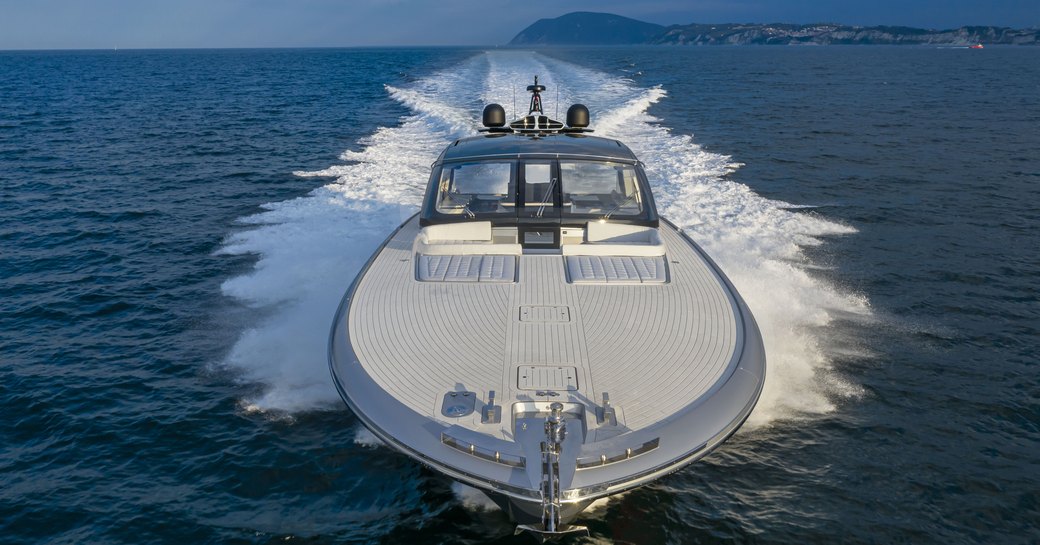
47,24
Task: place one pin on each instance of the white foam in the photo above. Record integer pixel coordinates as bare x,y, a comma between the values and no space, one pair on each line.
600,506
311,247
365,438
471,498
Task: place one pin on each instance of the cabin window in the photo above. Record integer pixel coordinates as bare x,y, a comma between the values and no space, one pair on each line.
476,188
539,189
603,189
538,184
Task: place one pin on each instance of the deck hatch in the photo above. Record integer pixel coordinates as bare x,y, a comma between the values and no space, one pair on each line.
458,404
547,377
545,314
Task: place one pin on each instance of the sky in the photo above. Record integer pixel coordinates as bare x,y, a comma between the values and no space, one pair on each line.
128,24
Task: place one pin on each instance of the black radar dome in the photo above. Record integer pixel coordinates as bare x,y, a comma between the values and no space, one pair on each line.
494,115
577,116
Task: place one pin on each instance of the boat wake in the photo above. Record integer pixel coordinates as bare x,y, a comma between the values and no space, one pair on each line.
310,248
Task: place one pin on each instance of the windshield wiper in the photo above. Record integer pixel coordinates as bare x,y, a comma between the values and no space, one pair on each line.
465,204
546,199
617,206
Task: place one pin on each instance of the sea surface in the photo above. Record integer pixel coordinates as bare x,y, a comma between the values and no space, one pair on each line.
177,228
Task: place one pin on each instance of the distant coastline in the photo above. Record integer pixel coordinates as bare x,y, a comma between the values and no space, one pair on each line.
587,28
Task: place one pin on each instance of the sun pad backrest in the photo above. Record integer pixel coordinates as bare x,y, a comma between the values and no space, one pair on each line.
469,230
615,232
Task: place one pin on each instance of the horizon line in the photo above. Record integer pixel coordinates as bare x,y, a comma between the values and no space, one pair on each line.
501,46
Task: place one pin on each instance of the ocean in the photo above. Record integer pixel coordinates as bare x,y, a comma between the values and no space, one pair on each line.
177,228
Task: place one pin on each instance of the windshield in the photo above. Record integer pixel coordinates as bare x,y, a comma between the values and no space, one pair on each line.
601,188
476,188
539,186
540,189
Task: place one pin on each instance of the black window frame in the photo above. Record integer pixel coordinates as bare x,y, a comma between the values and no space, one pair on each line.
430,216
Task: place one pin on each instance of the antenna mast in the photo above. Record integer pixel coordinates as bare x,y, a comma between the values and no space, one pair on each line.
536,97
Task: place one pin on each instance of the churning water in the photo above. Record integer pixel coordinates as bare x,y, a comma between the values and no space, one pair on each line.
177,228
311,247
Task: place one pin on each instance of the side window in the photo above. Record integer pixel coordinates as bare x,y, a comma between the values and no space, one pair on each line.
476,188
600,188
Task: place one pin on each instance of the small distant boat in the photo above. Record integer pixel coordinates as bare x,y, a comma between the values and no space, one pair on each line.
976,46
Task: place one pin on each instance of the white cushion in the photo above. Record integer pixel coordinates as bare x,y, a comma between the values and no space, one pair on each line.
613,239
466,268
616,270
466,238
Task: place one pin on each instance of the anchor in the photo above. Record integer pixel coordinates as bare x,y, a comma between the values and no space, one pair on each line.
551,527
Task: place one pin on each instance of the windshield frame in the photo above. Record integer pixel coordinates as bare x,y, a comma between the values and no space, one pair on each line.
556,213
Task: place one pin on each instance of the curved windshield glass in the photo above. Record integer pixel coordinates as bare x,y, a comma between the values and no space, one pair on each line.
600,188
469,189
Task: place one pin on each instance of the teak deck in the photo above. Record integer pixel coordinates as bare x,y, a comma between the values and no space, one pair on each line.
655,348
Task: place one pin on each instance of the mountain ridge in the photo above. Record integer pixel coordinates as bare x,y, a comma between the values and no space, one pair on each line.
585,27
592,28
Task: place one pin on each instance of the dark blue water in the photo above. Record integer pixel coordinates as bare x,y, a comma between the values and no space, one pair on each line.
166,278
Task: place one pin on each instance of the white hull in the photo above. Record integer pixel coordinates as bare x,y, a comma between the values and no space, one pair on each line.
679,357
